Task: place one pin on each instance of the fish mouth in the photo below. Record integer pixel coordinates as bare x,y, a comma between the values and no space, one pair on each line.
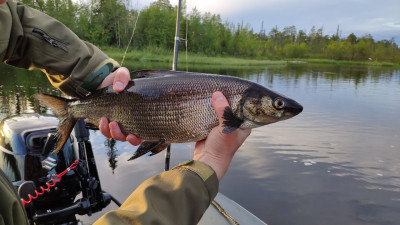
293,108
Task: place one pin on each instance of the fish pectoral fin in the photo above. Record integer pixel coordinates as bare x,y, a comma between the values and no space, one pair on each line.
149,146
231,122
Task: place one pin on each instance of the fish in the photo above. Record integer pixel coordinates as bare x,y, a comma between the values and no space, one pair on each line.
163,107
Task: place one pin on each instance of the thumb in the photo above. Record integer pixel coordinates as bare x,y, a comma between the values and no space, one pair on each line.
219,103
121,79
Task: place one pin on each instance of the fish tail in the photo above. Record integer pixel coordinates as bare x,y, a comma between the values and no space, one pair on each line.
67,122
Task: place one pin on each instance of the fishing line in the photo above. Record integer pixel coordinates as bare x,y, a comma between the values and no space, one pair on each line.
133,33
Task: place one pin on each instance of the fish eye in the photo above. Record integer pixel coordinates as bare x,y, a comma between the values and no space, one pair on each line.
279,103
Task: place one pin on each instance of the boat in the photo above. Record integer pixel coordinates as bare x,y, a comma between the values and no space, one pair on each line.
228,212
25,159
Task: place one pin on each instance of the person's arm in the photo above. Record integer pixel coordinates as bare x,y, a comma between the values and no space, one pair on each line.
31,39
176,197
182,195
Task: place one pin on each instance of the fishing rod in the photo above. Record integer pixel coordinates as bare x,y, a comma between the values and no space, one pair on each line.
130,40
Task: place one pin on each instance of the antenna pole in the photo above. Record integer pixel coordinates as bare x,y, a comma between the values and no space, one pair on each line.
174,63
178,20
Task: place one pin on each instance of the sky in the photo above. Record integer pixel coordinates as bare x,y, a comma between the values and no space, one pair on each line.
380,18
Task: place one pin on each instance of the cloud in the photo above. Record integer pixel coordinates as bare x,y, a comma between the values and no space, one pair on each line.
393,24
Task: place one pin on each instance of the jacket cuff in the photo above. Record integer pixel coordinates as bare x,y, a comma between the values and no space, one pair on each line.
91,82
205,172
83,88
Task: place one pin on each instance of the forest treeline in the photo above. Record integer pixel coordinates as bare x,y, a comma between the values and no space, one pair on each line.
110,23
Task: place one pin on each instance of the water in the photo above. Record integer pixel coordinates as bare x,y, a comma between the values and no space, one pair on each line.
338,162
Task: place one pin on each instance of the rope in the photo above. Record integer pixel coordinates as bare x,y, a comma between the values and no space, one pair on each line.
49,185
224,213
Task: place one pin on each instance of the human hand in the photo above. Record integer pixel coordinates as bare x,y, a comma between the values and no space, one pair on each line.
217,149
119,79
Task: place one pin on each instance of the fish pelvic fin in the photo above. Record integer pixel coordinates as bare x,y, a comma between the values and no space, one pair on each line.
231,122
149,146
59,106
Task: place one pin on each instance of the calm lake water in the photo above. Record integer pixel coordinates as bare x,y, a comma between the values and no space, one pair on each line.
338,162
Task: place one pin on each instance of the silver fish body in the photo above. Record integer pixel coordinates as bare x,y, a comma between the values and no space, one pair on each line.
164,107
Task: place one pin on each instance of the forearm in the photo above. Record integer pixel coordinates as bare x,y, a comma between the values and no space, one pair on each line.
30,39
179,196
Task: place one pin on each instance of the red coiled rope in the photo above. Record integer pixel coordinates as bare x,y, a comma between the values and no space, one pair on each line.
53,183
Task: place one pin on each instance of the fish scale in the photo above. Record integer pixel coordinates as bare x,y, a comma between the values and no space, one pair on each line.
173,107
161,117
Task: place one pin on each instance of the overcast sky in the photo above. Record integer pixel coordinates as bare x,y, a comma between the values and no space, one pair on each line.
380,18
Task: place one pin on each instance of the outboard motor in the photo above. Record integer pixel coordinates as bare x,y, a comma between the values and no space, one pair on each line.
26,142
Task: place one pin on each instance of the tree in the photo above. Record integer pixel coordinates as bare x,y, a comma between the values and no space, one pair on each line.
339,50
157,25
110,23
294,50
289,33
352,38
301,37
362,50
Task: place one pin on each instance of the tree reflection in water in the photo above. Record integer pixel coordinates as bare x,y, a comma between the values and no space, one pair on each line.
112,154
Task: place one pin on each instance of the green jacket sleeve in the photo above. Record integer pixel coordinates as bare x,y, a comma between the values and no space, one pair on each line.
31,39
11,209
175,197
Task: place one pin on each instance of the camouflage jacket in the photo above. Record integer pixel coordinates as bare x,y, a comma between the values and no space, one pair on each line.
31,39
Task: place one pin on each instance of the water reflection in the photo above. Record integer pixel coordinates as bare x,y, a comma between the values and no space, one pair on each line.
17,87
338,162
111,153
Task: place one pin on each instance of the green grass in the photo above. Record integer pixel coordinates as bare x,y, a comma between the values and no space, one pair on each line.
158,55
167,57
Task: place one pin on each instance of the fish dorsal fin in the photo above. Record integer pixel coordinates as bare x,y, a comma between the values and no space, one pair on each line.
137,74
150,146
131,83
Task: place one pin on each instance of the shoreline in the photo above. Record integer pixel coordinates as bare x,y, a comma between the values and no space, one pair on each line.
165,56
